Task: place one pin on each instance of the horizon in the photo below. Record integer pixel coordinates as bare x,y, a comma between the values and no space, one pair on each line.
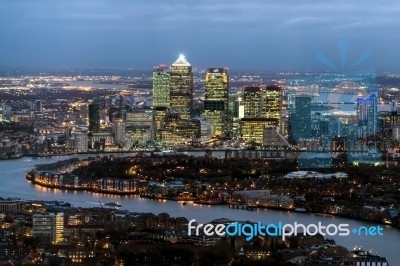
256,36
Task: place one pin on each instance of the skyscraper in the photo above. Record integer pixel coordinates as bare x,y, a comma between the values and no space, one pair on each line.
367,113
271,103
2,112
94,117
118,129
216,100
181,88
252,101
161,83
82,140
300,118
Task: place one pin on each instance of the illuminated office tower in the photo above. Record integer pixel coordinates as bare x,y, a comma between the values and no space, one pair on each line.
252,101
94,117
262,107
140,124
252,129
161,86
159,117
271,103
367,113
181,88
216,100
49,225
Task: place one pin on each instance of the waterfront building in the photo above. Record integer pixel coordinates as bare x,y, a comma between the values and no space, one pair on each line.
48,225
94,117
181,88
367,114
161,86
216,100
7,206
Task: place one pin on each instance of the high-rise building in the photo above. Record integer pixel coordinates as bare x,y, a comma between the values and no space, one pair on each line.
181,88
161,77
94,117
178,131
252,129
140,124
48,225
83,114
2,112
300,118
271,103
216,100
252,101
82,141
38,105
118,129
367,113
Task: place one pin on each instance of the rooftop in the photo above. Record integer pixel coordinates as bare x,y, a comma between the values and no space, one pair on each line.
181,61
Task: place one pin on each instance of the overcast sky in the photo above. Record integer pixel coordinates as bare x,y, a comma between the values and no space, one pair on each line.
242,35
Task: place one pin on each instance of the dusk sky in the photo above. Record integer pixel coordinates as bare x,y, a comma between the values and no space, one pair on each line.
242,35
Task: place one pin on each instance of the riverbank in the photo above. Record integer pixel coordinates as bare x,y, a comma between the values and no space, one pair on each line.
198,201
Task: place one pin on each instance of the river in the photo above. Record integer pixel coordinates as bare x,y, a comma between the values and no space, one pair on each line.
13,184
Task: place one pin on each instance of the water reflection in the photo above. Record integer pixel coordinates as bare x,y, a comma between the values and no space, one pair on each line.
13,184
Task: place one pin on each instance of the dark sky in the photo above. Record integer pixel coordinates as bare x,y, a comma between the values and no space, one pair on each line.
243,35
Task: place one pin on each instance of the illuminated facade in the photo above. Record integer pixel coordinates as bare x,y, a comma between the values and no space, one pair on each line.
216,100
252,101
48,225
179,131
161,78
181,88
252,129
140,124
159,117
271,103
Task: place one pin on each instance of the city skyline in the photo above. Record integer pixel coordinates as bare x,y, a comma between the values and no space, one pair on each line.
253,36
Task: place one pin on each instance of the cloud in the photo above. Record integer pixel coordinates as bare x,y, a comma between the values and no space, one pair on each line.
250,32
